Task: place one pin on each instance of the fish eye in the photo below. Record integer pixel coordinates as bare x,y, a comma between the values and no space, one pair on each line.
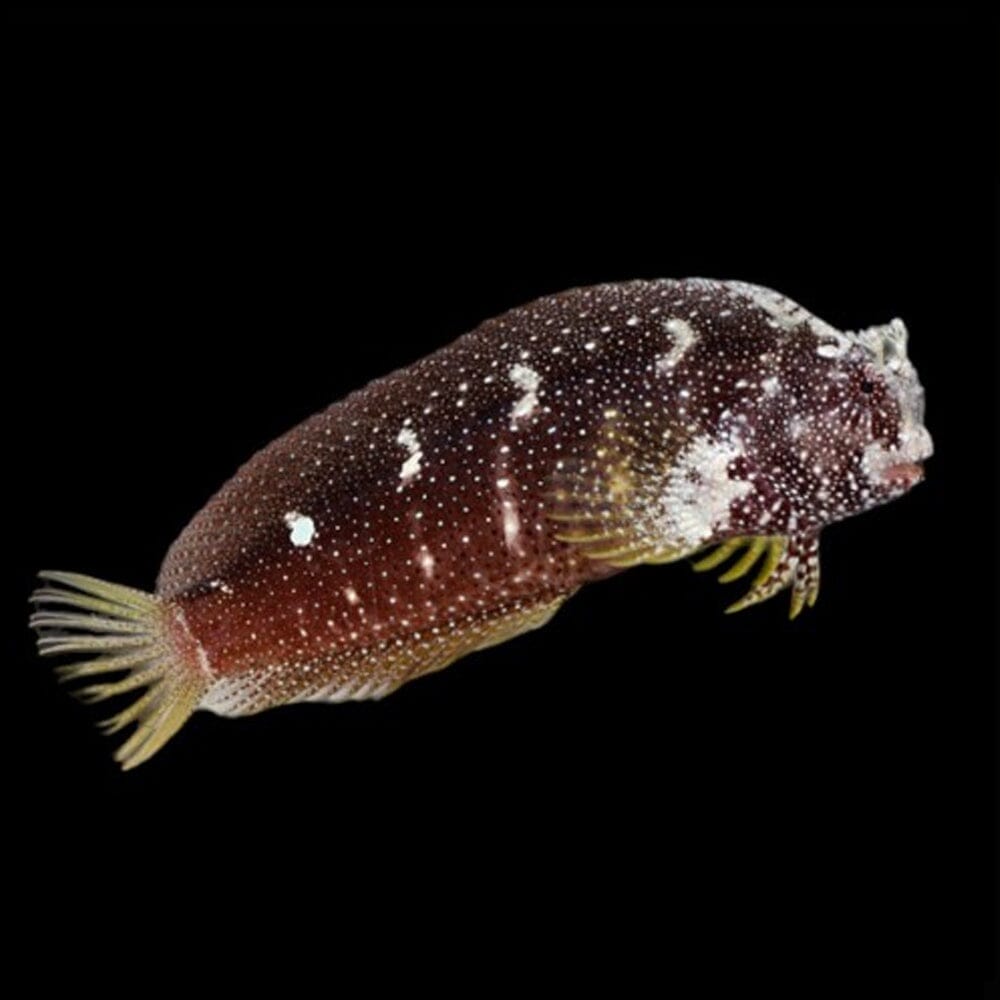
867,386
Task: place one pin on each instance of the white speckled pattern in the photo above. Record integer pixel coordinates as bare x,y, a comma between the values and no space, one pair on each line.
458,502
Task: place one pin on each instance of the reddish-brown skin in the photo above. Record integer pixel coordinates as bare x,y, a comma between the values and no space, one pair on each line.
413,521
458,502
281,599
256,602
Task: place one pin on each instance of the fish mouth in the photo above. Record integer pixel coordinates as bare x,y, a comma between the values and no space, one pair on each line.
903,475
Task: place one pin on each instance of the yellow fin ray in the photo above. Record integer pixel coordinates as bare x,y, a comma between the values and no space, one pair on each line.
631,557
772,556
138,679
746,562
118,630
585,537
719,556
784,562
135,711
601,504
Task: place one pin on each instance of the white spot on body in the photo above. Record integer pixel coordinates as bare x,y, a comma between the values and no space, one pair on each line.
426,561
699,491
302,528
407,437
770,385
352,595
510,518
684,337
528,381
797,426
511,524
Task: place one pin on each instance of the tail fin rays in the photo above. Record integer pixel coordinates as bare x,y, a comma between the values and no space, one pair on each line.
119,630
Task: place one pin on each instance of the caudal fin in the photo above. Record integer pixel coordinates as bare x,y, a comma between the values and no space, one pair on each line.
124,632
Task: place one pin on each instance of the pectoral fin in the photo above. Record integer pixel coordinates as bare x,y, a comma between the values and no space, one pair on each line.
597,502
784,562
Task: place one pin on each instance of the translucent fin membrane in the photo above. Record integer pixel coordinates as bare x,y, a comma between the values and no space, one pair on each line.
599,502
127,642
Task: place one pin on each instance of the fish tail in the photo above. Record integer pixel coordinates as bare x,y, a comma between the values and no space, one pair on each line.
130,643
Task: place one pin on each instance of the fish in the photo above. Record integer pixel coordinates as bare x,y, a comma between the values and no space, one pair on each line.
460,501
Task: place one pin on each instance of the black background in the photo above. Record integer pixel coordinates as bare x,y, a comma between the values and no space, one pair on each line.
219,230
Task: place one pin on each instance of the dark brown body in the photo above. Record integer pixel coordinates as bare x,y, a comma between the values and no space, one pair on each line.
460,501
400,577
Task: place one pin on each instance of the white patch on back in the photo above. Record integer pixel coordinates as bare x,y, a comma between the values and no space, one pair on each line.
770,385
786,314
407,437
302,528
684,337
528,381
699,492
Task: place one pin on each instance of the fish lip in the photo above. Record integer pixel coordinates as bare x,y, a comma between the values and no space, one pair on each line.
903,474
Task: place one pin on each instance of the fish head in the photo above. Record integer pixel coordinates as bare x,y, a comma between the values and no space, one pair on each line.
873,416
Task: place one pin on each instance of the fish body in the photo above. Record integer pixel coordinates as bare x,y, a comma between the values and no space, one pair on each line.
459,501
